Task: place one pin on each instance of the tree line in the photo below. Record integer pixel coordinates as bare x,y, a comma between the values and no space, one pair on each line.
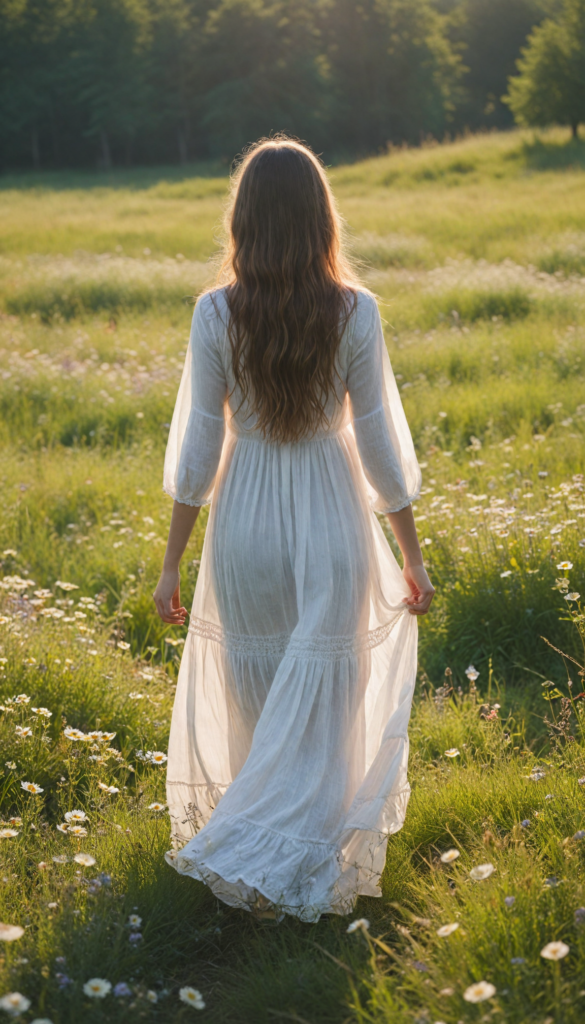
120,82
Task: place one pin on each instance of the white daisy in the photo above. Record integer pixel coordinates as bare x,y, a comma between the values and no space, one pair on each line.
10,932
31,787
14,1003
192,997
478,992
447,929
481,871
555,951
97,988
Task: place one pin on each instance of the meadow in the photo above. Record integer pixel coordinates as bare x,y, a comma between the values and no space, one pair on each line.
476,250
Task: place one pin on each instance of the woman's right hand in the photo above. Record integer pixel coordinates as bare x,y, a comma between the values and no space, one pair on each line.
167,598
421,589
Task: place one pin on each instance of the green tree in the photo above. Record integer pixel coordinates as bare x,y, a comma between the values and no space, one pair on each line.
393,73
111,73
550,88
489,35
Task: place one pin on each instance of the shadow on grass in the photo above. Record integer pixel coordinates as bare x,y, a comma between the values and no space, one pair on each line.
554,156
136,178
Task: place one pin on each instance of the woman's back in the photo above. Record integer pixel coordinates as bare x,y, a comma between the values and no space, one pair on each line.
288,752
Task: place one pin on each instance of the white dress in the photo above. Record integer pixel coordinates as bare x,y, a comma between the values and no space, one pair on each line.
288,752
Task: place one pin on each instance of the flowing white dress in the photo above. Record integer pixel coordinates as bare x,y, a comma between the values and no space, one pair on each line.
288,752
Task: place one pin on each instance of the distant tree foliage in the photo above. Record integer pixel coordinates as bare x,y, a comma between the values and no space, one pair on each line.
110,82
551,85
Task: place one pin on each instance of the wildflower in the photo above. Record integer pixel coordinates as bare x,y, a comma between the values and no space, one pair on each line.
108,789
10,932
122,645
77,830
107,737
42,865
509,901
156,807
104,878
508,572
517,960
66,586
8,833
135,938
21,699
73,734
471,673
361,922
478,992
14,1003
156,756
419,966
554,951
452,752
97,988
75,816
135,696
62,980
565,566
581,782
481,871
10,764
61,858
552,882
572,597
579,915
525,823
152,996
63,827
447,992
449,856
15,821
31,787
122,989
579,835
134,921
44,712
536,775
447,929
84,858
192,997
23,731
52,906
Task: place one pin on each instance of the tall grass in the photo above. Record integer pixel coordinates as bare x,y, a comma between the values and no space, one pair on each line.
475,254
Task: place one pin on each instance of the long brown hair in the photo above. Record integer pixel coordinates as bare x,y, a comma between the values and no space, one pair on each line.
290,290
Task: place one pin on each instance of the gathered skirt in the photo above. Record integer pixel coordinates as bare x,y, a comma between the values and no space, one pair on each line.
288,753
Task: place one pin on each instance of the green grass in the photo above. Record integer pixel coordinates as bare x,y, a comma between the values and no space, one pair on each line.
475,250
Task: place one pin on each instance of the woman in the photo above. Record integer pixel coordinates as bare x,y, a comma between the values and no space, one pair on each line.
288,748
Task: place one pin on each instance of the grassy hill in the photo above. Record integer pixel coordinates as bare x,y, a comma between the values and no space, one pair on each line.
476,250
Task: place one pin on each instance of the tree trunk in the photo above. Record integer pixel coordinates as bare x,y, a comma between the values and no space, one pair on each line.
182,143
106,160
36,154
575,131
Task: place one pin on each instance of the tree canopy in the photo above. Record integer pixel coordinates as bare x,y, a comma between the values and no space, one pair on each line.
550,87
103,82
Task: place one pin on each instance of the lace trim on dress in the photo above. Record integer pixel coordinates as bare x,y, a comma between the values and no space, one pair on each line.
318,647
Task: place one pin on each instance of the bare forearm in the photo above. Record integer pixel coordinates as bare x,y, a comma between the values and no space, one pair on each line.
404,529
183,520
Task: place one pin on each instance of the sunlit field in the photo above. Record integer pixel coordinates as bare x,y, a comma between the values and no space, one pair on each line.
477,253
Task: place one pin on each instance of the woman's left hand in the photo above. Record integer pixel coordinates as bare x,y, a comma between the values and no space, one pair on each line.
167,598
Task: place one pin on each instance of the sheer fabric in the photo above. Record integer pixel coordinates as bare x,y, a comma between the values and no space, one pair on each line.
288,752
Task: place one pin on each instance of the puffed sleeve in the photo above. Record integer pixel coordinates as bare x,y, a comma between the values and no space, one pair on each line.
198,425
382,433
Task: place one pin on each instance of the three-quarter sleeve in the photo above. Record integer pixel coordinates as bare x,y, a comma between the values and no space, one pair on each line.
198,425
382,433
